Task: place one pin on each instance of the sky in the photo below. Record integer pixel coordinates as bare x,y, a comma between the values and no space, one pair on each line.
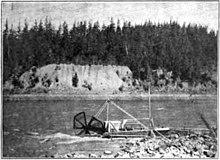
200,13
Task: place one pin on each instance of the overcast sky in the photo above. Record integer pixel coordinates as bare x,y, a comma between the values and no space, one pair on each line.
203,13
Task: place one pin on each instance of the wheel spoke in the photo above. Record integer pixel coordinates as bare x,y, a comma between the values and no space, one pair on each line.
76,127
80,133
80,122
80,118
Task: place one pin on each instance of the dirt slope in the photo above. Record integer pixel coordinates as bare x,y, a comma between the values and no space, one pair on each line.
77,77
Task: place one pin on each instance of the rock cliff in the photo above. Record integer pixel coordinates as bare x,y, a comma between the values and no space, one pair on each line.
78,77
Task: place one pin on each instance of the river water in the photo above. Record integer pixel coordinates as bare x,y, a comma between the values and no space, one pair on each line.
56,116
20,118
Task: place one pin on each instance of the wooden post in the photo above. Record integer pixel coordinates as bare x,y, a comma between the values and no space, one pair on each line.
149,98
107,110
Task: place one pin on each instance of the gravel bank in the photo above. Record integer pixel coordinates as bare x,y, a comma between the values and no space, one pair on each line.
19,97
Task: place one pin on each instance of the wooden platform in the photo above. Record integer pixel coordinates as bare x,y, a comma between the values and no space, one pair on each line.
134,133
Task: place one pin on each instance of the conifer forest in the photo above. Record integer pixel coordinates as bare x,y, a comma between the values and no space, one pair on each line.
187,50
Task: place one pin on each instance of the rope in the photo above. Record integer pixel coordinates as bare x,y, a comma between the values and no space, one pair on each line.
100,110
162,135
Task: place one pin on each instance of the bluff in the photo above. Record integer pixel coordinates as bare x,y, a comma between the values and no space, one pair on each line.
60,77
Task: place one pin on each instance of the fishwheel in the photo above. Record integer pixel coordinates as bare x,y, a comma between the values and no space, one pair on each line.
81,126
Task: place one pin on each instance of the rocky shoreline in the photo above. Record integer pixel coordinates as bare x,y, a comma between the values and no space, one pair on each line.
173,145
15,97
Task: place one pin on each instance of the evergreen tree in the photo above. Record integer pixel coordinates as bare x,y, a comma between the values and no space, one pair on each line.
187,50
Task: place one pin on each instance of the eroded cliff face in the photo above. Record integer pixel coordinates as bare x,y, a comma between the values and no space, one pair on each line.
78,77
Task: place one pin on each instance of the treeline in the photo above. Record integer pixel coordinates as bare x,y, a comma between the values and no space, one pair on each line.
186,50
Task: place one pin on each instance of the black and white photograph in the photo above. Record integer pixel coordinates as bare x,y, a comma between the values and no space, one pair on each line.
110,79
